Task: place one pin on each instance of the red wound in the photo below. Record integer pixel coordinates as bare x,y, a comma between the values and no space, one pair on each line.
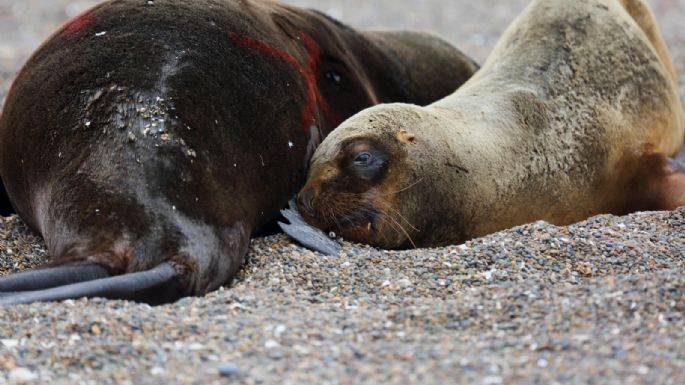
78,23
307,72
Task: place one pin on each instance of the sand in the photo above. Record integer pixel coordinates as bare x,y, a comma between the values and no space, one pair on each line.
600,302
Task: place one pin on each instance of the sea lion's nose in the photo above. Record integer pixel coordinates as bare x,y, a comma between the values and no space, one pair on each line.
306,199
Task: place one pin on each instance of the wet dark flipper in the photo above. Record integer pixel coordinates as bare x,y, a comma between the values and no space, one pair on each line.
46,278
132,286
306,234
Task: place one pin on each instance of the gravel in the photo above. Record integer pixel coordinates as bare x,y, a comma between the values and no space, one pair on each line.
601,301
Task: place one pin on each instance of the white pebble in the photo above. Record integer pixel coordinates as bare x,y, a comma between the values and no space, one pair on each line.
280,329
662,320
10,343
196,346
488,274
21,376
157,371
492,380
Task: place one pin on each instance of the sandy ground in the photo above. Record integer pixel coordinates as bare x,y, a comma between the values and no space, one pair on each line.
599,302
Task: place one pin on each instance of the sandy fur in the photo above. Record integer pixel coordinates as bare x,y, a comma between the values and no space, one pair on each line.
574,93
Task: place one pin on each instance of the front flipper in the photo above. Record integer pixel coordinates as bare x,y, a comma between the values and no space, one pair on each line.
306,234
132,286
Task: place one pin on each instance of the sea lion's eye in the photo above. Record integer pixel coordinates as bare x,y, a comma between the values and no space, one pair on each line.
363,159
368,165
333,76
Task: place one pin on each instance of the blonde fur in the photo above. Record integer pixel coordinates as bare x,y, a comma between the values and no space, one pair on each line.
574,94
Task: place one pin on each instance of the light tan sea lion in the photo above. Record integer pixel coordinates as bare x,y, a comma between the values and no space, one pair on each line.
574,114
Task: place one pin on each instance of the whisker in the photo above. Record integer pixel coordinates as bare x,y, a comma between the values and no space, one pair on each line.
404,188
396,211
406,234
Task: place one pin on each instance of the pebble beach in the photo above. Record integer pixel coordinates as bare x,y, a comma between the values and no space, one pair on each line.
597,302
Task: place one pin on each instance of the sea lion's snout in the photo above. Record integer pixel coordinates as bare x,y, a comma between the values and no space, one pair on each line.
305,199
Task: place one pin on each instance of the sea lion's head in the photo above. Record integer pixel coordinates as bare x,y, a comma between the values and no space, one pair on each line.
367,177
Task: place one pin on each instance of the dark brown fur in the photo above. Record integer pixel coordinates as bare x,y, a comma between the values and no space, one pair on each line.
172,131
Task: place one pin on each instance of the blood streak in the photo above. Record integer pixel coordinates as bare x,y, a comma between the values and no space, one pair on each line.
78,23
308,73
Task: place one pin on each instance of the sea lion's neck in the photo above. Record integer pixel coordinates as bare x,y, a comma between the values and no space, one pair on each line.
485,142
496,147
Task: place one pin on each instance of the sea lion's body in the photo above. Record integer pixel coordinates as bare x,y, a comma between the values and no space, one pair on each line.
171,131
574,114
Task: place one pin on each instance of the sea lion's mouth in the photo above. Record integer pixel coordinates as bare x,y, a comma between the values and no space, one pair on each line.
364,215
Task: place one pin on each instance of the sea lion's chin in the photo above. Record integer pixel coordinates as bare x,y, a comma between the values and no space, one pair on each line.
357,227
376,233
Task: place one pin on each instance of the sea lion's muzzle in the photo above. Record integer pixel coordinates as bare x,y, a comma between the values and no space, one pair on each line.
305,199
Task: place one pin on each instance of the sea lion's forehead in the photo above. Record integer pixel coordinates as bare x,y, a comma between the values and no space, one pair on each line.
377,124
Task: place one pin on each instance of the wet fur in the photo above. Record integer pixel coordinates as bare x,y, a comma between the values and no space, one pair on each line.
172,131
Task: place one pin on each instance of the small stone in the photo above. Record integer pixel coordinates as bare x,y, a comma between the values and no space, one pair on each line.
279,330
21,376
95,329
10,343
492,380
157,371
195,346
228,369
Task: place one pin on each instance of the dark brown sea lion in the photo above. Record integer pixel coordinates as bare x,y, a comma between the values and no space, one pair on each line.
154,138
575,114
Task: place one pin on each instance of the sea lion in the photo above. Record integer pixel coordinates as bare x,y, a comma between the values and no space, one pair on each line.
153,139
574,114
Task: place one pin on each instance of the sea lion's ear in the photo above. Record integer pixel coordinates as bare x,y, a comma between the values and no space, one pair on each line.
405,137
